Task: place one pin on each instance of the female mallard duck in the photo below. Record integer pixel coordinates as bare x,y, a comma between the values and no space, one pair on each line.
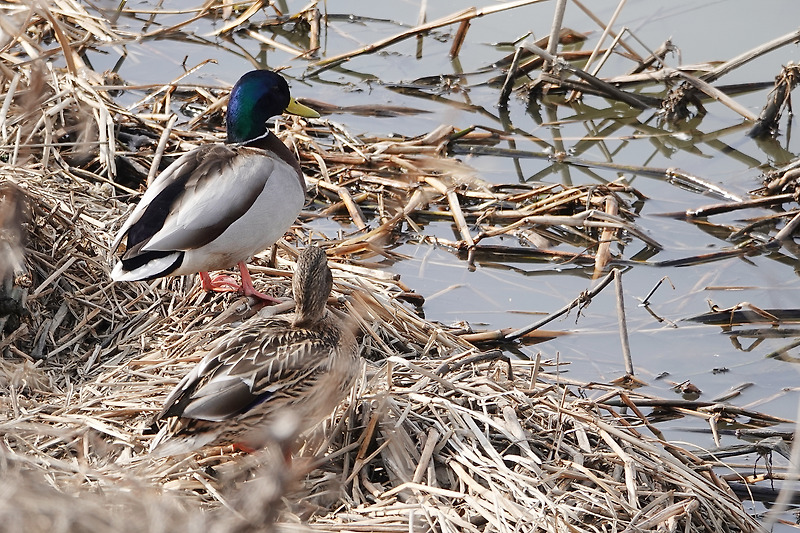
270,379
219,204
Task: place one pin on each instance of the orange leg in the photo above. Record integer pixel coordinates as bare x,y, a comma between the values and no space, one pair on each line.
221,283
249,290
286,451
225,283
239,447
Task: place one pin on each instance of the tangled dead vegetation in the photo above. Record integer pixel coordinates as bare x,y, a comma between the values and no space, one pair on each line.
433,439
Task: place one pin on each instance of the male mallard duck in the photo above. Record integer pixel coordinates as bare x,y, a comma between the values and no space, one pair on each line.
219,204
268,380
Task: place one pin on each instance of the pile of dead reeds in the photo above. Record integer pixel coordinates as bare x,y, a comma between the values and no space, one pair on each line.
437,436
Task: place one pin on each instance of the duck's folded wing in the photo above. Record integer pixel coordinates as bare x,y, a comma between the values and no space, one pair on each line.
170,179
196,198
231,380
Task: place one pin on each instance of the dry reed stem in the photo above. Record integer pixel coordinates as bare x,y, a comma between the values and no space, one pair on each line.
606,237
465,15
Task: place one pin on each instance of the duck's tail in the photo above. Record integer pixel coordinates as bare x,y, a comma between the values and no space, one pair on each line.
150,265
166,443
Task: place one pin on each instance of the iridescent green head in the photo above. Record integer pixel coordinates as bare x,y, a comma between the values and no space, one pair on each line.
257,96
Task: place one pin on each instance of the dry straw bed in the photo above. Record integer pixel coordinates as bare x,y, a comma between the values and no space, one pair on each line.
438,436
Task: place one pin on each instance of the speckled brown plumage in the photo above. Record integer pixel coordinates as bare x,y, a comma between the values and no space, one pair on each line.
268,380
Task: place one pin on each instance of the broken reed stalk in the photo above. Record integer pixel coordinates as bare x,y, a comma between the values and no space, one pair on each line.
455,18
676,175
603,37
422,17
701,85
609,51
749,55
603,26
646,299
656,56
459,37
715,209
581,300
530,61
251,10
779,97
555,31
607,236
162,144
788,231
314,18
674,107
788,489
606,88
623,323
511,75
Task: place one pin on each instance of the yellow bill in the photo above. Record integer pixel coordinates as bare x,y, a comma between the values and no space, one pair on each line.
296,108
